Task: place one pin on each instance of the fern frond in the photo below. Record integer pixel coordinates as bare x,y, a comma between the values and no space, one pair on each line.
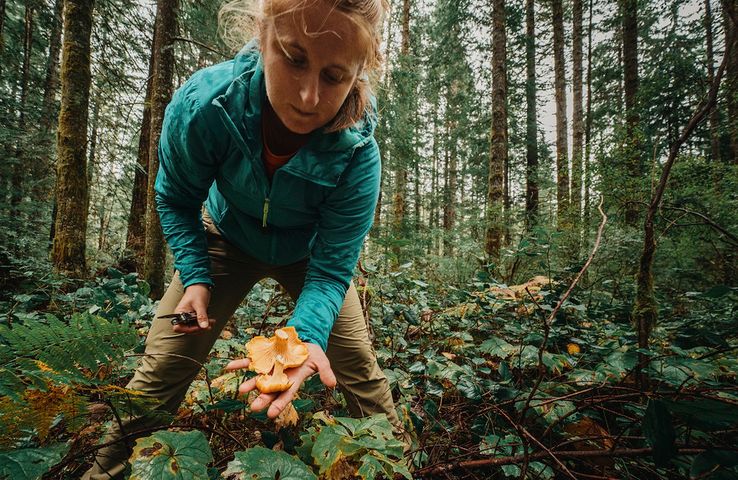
71,352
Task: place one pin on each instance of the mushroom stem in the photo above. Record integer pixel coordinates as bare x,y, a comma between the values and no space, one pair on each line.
278,365
281,339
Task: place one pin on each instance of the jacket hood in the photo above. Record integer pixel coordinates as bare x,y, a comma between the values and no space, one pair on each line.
243,101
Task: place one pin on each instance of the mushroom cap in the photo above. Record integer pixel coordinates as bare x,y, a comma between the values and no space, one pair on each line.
273,383
262,351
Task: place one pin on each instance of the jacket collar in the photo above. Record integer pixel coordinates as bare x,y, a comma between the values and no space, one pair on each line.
322,160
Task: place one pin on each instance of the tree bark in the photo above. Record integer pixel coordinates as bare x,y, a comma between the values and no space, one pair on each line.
399,200
166,25
578,115
588,124
17,187
730,9
2,33
633,163
562,150
714,122
531,122
72,195
136,232
49,110
498,145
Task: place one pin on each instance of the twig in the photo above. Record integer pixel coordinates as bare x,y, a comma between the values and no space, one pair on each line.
515,459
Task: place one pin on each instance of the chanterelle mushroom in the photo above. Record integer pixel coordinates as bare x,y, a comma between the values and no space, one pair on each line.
277,381
263,351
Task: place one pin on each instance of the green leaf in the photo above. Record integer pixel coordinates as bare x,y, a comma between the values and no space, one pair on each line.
497,347
659,432
171,455
260,463
30,463
712,460
330,446
705,413
717,291
227,405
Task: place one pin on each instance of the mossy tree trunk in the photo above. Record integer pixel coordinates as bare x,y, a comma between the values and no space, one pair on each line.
166,25
632,148
710,59
730,9
562,148
531,122
498,140
577,123
21,159
72,194
136,232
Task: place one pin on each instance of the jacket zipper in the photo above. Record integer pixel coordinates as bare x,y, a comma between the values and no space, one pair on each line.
265,213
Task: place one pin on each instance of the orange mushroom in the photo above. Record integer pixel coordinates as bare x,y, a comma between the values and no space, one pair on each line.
263,351
277,381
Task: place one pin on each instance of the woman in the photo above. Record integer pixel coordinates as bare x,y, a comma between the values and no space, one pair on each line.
279,145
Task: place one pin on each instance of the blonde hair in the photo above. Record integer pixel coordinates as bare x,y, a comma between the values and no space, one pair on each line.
241,20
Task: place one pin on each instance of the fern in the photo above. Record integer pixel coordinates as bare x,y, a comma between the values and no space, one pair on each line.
65,352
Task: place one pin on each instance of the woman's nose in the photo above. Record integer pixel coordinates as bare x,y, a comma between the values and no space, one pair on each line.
309,91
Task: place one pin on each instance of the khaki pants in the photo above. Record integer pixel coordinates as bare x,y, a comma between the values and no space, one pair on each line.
167,377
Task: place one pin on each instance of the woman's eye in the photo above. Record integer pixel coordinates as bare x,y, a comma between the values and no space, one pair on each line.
332,78
295,60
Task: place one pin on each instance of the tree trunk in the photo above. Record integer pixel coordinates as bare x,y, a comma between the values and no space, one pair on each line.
93,143
449,206
72,196
531,131
2,33
166,25
730,7
17,187
588,124
562,150
136,232
633,164
714,116
400,171
498,146
49,110
578,115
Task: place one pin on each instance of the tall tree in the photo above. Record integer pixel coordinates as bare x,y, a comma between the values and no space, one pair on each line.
48,104
2,33
166,26
629,12
714,115
18,167
531,122
72,194
578,113
730,12
136,231
400,169
562,149
588,123
498,146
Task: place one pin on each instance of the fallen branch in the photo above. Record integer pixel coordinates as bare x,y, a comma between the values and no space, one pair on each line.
514,459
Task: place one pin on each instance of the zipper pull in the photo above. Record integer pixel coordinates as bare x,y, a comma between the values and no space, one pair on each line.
266,212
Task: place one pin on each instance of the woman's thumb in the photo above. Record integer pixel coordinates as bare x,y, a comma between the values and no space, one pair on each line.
326,374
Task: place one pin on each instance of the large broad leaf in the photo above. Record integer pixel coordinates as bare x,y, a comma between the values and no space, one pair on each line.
712,460
497,347
171,455
705,413
260,463
30,463
659,432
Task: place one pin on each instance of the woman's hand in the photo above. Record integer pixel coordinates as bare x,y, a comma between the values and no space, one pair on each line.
195,299
316,362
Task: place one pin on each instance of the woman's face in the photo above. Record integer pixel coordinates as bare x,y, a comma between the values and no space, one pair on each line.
311,60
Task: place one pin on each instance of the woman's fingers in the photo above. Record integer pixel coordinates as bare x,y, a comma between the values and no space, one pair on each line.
194,329
236,364
281,402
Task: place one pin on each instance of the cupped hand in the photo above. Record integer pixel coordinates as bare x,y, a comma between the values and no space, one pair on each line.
316,362
195,299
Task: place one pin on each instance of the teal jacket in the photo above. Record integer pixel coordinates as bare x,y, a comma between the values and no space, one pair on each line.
319,205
